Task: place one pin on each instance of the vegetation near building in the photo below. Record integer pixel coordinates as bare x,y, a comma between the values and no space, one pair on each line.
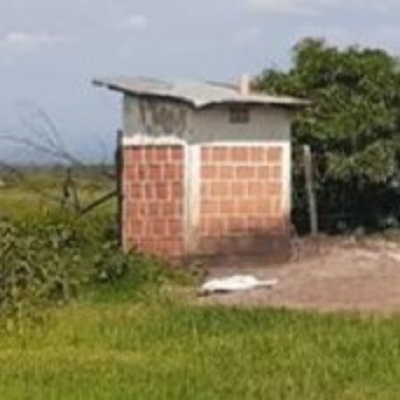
352,126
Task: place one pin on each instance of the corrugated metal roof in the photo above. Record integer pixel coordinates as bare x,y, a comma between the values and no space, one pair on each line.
198,94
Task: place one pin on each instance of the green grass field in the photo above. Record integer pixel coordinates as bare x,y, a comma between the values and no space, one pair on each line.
43,190
124,342
151,350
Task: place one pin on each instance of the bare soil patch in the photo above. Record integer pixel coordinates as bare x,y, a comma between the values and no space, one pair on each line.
329,275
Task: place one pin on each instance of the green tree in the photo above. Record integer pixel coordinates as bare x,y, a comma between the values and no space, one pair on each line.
352,124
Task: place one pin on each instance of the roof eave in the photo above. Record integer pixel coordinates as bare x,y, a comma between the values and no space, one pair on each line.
139,93
201,104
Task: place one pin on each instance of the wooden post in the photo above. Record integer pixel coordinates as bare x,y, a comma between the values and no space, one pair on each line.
119,171
312,202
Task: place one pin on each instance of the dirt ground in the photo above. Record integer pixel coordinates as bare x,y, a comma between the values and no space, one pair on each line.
328,275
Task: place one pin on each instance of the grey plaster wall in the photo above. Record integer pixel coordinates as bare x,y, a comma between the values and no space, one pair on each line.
163,118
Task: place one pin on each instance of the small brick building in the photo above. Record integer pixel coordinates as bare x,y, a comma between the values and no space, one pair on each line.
206,168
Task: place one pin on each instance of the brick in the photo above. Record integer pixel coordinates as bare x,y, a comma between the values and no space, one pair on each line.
239,190
268,208
149,246
133,155
220,154
274,188
174,227
202,229
171,209
276,173
154,209
227,207
156,153
136,191
245,173
149,230
221,225
275,225
142,172
241,198
276,206
155,172
131,207
162,154
274,155
206,154
136,226
257,155
210,207
226,172
205,190
150,154
176,153
220,189
173,172
150,192
255,189
160,228
264,191
209,172
263,173
204,226
126,215
131,173
212,226
154,196
215,190
256,223
126,193
237,225
246,207
177,190
162,191
240,154
263,207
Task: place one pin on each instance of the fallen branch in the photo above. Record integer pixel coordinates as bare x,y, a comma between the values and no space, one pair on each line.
99,202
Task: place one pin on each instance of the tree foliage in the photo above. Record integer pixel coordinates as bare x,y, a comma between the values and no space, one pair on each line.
352,124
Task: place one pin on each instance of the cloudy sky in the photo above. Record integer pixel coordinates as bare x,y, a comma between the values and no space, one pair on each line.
51,49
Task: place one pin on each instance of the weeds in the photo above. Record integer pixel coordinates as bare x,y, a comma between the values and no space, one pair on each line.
47,260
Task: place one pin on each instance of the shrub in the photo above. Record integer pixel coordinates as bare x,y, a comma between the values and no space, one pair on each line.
39,265
122,277
46,259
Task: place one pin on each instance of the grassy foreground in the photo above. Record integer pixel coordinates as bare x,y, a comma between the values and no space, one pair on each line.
167,350
127,344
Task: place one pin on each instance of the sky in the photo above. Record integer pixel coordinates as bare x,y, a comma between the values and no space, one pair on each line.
50,50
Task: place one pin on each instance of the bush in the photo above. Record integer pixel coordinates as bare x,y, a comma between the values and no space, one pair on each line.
45,260
127,276
40,264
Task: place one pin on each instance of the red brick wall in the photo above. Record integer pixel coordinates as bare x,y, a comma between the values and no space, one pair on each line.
153,198
241,206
